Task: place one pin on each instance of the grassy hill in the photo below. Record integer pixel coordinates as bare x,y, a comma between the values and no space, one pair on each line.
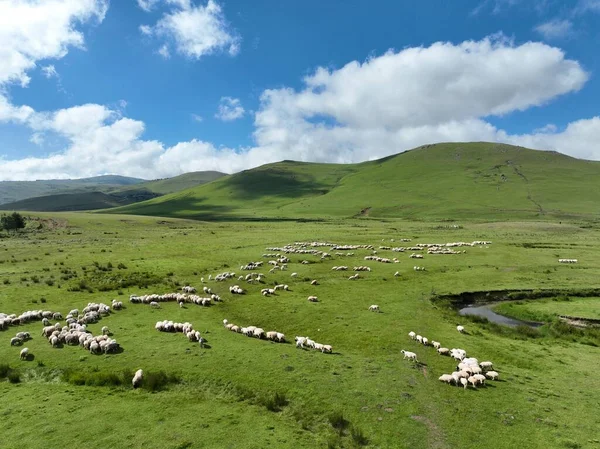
442,181
11,191
107,195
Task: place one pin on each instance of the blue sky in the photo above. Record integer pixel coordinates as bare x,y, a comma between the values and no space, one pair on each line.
154,88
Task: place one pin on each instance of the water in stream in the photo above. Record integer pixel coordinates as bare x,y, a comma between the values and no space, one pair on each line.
487,312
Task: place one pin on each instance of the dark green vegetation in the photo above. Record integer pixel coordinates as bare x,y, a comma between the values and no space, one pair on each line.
243,392
442,181
108,192
12,222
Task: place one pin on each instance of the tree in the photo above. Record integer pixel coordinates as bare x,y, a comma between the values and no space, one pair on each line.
14,221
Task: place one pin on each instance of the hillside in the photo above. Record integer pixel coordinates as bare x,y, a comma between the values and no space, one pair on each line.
11,191
108,195
442,181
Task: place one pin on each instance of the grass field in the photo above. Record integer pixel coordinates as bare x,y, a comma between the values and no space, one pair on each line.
549,309
546,398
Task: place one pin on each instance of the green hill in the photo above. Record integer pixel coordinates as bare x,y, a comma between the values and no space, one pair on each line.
441,181
108,195
11,191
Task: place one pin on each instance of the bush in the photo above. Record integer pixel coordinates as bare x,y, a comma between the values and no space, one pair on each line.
4,370
14,377
358,437
274,403
6,281
121,266
338,422
158,380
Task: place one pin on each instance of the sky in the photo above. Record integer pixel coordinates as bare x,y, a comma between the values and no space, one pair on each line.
156,88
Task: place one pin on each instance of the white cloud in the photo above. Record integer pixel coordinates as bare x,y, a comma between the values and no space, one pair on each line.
31,31
385,105
49,71
230,109
197,118
37,138
164,52
584,6
147,5
146,29
555,29
193,30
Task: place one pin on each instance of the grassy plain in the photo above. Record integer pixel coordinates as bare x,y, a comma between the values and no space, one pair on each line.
549,309
547,397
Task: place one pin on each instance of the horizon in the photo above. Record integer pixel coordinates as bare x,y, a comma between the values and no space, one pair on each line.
153,89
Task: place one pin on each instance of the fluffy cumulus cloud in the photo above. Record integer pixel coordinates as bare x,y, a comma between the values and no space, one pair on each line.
34,30
230,109
194,30
363,110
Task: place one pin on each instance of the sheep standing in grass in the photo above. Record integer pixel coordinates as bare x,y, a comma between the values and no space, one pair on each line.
436,344
460,329
313,299
374,308
443,351
15,341
491,375
412,335
137,378
447,378
105,330
409,355
24,353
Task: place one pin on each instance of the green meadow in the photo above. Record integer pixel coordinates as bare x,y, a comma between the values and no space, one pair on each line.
241,392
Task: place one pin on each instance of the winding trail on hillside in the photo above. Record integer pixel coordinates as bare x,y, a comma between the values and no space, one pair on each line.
529,197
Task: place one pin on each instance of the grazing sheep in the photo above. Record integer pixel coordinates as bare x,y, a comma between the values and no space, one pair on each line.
446,378
396,274
155,304
486,365
492,375
374,308
327,348
412,335
409,355
443,351
280,337
313,299
436,344
54,341
480,378
460,329
137,378
45,321
419,339
24,353
300,341
473,381
314,282
425,341
15,341
105,330
272,335
464,382
294,275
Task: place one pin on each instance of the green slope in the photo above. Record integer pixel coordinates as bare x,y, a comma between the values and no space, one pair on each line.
11,191
109,195
442,181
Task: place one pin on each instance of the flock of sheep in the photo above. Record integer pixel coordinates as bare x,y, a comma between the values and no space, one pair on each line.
75,332
468,371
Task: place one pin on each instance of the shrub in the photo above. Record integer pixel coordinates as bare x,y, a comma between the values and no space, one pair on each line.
4,370
14,377
358,437
338,422
158,380
6,281
274,403
121,266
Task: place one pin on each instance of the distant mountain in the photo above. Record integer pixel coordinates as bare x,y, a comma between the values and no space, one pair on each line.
88,194
477,180
11,191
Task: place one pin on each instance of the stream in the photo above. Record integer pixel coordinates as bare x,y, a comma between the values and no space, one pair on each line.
487,312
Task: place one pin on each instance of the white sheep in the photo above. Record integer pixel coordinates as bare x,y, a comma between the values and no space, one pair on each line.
409,355
313,298
374,308
464,382
154,304
412,335
446,378
425,341
443,351
419,338
300,341
436,344
105,330
486,365
327,348
137,378
15,341
24,353
491,375
460,329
